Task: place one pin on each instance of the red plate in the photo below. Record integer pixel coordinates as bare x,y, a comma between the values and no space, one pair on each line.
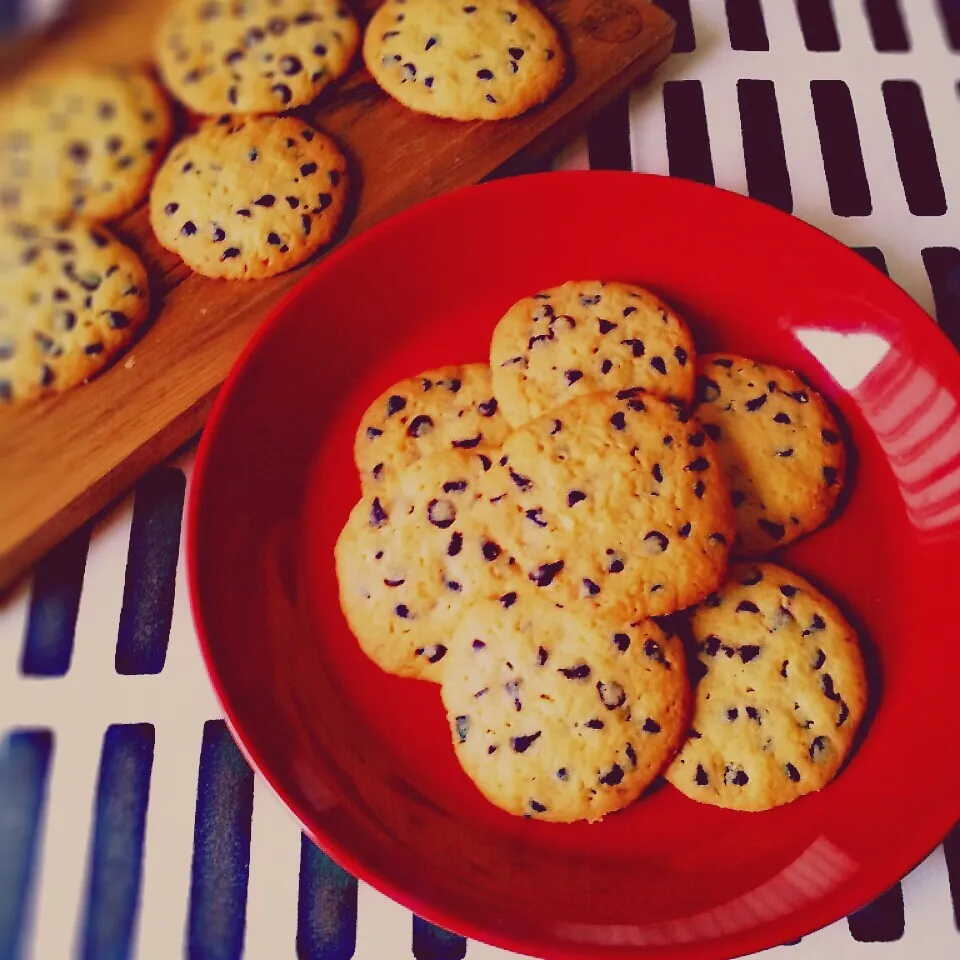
364,760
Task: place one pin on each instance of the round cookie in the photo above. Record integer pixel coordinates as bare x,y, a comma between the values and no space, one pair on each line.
587,336
779,445
782,693
84,142
71,299
614,502
247,199
412,557
254,56
447,408
464,61
557,716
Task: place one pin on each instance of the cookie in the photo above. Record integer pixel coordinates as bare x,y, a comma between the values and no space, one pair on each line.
779,445
587,336
246,199
448,408
614,502
71,299
781,696
412,557
557,716
85,142
464,61
254,56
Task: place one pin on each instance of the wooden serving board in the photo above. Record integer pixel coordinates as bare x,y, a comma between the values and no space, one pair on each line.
68,457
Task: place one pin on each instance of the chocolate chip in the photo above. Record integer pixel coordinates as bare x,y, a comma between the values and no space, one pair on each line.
434,653
828,689
290,65
606,366
590,588
478,644
830,476
462,724
508,600
734,777
700,777
522,483
468,443
572,376
378,516
523,743
274,240
575,496
595,724
829,436
818,746
636,346
491,550
455,545
613,776
681,355
619,420
698,465
658,364
696,439
782,418
786,453
118,320
394,583
93,349
655,542
171,208
544,574
699,489
419,426
622,641
534,515
230,253
799,396
819,659
580,672
441,513
189,228
747,606
792,772
773,530
267,200
787,590
707,390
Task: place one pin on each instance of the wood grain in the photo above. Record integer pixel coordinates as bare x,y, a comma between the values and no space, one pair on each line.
64,459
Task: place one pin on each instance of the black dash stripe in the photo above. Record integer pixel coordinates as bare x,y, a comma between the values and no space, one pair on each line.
913,143
766,162
688,139
748,31
608,137
880,921
943,269
950,17
818,25
887,26
875,256
684,41
951,852
840,147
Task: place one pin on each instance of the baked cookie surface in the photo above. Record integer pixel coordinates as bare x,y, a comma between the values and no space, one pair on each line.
779,445
781,697
411,558
71,298
615,502
464,61
254,56
450,407
247,199
587,336
83,143
556,717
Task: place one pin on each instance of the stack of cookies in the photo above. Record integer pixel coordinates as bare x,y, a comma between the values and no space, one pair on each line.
549,538
248,194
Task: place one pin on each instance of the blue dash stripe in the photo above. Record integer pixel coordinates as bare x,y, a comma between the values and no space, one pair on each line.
150,582
221,849
435,943
52,621
24,762
326,907
116,854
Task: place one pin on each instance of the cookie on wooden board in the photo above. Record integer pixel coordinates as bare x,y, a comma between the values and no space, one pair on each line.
464,61
782,692
85,142
410,559
779,445
71,299
557,716
585,336
614,502
446,408
254,56
247,199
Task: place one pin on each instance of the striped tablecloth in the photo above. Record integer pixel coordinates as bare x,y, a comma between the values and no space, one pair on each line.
131,826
